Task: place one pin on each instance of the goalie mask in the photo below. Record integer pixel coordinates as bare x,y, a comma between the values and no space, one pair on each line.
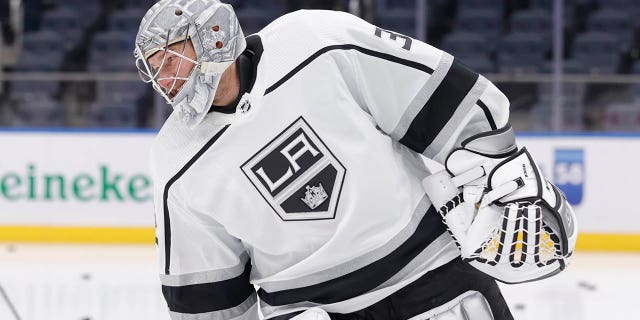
170,33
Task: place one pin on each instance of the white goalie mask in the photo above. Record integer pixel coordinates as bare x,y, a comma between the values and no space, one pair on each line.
167,32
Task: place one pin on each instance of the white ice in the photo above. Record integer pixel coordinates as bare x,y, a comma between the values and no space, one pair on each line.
74,282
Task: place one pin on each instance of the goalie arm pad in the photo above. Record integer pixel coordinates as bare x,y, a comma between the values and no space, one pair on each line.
508,220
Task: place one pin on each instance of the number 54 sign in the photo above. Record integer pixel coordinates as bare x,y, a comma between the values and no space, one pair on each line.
568,173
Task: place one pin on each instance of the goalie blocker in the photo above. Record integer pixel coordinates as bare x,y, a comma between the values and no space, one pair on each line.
507,219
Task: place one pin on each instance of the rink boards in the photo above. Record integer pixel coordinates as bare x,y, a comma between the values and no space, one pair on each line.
95,187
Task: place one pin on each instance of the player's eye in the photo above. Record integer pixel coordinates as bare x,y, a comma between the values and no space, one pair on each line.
171,59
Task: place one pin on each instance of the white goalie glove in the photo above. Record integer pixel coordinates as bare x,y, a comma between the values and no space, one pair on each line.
507,219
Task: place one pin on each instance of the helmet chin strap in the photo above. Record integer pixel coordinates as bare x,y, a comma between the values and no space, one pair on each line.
214,68
194,107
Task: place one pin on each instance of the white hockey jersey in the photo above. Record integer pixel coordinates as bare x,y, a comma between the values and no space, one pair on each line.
311,190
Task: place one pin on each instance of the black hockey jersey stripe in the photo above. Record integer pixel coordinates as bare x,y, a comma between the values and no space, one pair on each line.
165,196
208,297
367,278
440,107
435,288
385,56
487,114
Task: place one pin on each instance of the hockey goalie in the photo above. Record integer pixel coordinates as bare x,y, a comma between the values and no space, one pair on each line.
293,163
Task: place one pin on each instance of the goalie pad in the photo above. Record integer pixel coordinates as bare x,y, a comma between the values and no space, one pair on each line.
507,220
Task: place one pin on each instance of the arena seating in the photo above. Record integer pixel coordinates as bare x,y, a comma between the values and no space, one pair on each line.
38,111
126,20
615,23
481,21
598,51
535,21
490,36
471,49
522,53
65,22
114,114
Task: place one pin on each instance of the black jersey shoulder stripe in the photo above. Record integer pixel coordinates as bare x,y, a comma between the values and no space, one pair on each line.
165,196
367,278
436,287
440,107
430,291
487,114
381,55
209,297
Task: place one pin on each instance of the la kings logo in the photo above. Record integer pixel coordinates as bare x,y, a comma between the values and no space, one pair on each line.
297,174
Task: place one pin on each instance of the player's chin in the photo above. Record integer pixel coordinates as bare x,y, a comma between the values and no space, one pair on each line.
176,90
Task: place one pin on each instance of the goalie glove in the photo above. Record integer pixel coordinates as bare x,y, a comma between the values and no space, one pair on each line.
506,218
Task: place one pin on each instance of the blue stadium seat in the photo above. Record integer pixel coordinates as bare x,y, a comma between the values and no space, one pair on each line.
493,5
113,114
465,44
630,6
126,20
536,21
599,52
618,4
522,52
42,42
479,64
547,5
483,21
396,4
119,62
235,3
253,20
617,23
38,111
543,4
142,4
89,9
274,7
122,90
65,22
41,51
21,89
1,53
570,66
51,61
398,20
636,67
471,49
107,45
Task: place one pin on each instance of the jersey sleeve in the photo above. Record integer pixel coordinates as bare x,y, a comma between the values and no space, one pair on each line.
205,270
419,95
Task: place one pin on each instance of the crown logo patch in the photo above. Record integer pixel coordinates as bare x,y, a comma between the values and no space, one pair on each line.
314,196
